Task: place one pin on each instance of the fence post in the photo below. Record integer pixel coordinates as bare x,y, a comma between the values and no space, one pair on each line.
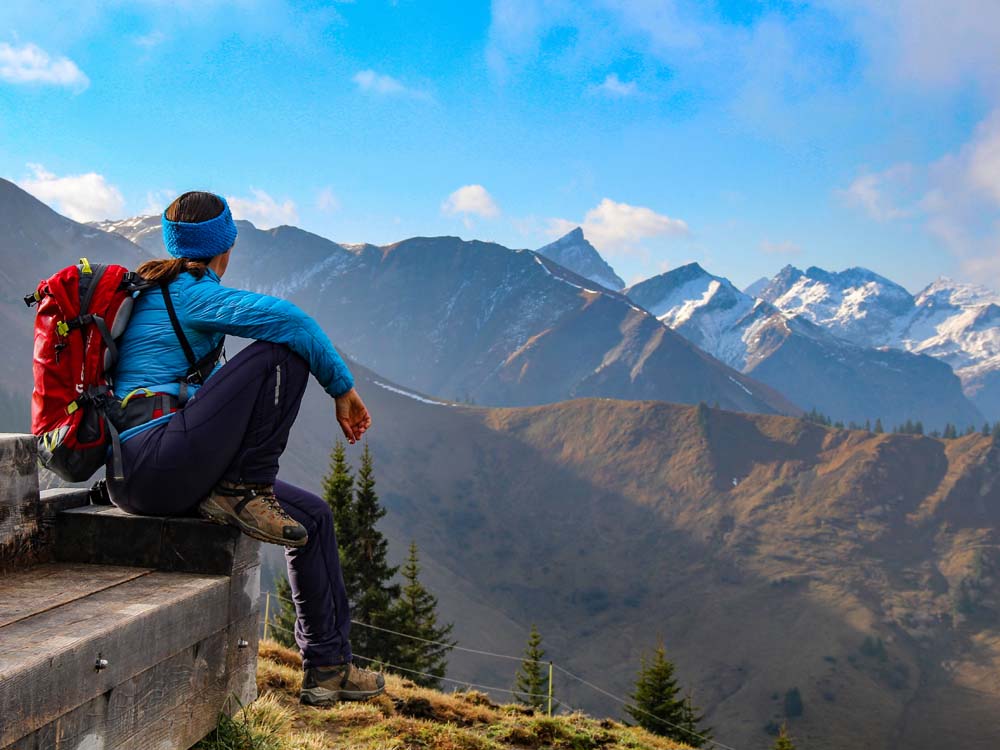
550,688
267,611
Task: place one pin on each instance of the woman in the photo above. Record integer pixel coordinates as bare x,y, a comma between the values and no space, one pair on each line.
203,437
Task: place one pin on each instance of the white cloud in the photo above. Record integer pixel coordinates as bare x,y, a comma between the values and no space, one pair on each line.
29,63
929,43
615,87
618,228
471,200
327,201
380,84
262,210
879,193
157,201
82,197
956,199
785,247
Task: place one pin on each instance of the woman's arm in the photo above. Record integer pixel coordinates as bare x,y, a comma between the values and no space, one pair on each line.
209,306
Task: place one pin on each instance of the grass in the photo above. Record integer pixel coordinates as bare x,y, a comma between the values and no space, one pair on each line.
406,716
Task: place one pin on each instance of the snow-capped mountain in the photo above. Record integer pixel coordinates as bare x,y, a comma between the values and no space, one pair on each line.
573,251
802,358
856,304
956,323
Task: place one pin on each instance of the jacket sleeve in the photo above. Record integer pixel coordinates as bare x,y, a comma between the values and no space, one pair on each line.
209,306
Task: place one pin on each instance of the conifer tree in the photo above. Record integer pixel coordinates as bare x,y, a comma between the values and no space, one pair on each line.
283,614
415,613
690,724
949,431
530,684
370,591
338,491
784,742
657,707
986,429
879,429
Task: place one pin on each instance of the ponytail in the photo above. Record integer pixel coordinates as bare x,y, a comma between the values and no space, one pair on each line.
165,270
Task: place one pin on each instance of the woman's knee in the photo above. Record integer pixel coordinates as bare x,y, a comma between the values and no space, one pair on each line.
308,509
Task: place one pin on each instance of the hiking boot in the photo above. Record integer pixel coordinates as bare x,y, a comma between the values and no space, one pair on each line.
254,510
347,682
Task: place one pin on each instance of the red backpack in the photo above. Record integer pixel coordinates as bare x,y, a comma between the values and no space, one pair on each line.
82,309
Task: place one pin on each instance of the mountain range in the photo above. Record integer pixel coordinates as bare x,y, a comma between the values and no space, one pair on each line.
796,354
958,324
768,552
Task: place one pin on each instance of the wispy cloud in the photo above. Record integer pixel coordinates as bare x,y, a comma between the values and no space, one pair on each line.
81,197
619,228
30,64
471,200
381,84
157,201
614,87
327,201
262,210
879,194
956,199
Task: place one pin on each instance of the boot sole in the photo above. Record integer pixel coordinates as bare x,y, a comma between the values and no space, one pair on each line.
213,512
323,697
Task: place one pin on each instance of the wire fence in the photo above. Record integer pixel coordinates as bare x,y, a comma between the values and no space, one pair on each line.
631,707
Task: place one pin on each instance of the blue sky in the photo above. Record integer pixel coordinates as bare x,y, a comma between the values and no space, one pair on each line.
743,135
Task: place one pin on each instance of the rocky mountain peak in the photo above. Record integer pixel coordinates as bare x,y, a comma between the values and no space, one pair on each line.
575,252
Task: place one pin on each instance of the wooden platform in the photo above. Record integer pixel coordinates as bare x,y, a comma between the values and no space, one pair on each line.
135,633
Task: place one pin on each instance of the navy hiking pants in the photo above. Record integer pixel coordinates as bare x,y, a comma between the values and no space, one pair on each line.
236,428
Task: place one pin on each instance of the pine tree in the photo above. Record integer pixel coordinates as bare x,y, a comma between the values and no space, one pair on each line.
868,425
530,684
784,742
415,613
986,429
949,431
283,614
371,594
657,707
693,733
879,429
338,491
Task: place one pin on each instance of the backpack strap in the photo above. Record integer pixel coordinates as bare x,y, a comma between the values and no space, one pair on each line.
199,369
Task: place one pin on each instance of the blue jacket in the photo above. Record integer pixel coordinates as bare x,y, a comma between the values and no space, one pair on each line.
150,356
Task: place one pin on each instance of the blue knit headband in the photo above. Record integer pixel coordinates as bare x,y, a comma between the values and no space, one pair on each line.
200,240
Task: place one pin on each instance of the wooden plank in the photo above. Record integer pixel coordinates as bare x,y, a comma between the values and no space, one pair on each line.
28,592
173,704
47,661
105,534
18,492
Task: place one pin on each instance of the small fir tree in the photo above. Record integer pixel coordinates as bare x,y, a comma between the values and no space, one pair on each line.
879,429
691,731
338,491
784,742
371,593
657,707
530,684
283,614
415,613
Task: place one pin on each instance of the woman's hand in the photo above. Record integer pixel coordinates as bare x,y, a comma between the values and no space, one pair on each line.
352,415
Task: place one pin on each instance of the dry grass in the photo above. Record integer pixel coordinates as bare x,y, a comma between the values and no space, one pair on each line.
406,716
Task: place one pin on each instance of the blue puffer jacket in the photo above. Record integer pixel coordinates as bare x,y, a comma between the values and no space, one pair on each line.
150,355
